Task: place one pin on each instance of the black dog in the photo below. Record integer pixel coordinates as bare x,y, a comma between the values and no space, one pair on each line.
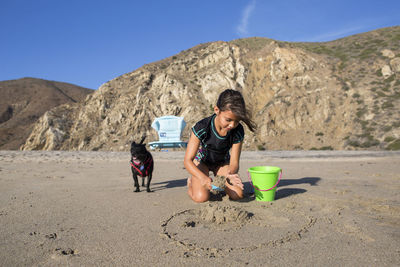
141,164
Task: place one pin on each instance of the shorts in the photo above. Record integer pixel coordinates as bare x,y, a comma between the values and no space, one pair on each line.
212,166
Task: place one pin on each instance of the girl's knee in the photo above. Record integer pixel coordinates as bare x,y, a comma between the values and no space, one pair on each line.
200,196
236,196
196,191
235,193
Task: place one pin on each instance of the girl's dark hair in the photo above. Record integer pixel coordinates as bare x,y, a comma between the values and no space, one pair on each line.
233,100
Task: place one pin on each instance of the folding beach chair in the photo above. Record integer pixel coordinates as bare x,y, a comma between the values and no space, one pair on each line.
169,129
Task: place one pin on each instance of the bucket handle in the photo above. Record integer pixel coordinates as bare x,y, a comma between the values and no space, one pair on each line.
248,177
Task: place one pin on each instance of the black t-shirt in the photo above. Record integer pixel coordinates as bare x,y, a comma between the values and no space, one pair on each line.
215,148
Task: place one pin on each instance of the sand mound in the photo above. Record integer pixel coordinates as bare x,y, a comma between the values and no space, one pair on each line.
218,181
223,214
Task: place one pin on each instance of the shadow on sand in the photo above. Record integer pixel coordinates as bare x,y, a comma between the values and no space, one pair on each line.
248,188
169,184
285,192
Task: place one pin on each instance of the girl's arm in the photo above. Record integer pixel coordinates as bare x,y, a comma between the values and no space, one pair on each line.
233,176
191,151
235,156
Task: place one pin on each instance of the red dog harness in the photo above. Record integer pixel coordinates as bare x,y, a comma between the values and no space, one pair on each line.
142,167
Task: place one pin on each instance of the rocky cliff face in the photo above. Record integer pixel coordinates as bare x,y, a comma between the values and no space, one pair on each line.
337,95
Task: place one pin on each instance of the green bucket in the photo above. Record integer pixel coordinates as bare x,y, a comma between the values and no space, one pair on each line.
264,180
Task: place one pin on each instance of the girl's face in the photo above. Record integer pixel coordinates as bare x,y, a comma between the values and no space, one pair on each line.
225,121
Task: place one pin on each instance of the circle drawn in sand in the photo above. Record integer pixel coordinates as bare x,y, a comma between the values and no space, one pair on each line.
231,228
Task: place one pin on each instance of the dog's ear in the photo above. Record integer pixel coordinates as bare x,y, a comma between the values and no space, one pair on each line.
141,141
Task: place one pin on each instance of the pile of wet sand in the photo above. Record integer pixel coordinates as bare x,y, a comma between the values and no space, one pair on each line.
218,181
221,214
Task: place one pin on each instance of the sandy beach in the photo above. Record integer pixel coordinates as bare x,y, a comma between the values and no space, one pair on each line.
332,208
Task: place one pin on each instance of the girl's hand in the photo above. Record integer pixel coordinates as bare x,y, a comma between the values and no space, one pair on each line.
235,180
206,182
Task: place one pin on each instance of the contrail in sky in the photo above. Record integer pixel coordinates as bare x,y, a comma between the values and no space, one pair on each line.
329,36
242,27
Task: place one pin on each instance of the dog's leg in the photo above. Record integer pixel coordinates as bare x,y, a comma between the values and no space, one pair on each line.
135,179
143,180
148,182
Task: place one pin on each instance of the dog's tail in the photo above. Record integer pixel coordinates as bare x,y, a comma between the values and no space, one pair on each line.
141,141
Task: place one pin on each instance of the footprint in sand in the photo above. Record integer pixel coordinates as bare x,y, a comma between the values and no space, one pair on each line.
51,236
66,251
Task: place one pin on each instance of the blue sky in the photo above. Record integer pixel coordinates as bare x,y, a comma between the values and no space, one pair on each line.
89,42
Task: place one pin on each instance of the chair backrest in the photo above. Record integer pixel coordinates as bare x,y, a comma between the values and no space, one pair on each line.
169,128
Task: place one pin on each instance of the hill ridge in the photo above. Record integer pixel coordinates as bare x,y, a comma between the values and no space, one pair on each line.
23,101
342,94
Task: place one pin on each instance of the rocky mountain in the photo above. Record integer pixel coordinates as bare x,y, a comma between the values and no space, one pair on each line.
24,101
342,94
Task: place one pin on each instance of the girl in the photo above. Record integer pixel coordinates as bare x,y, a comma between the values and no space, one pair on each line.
217,135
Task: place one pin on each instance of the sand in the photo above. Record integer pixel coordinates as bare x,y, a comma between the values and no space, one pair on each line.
219,182
79,209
